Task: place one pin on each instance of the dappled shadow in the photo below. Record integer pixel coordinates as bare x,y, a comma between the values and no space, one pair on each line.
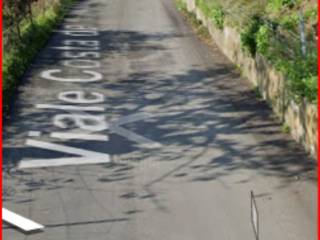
205,116
210,126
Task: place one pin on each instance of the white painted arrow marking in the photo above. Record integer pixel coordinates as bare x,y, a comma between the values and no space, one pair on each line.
20,222
142,141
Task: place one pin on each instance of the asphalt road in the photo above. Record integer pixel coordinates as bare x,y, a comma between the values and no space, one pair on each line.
127,126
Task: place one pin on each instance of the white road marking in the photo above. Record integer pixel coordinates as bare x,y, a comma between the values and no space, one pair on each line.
142,141
20,222
82,136
34,134
78,114
68,48
80,63
58,162
49,75
82,43
71,108
254,216
79,97
91,123
86,156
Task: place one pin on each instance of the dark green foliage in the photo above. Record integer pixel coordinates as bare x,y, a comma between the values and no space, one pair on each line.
277,5
263,39
213,10
302,77
288,3
25,44
248,35
290,22
201,30
271,28
217,16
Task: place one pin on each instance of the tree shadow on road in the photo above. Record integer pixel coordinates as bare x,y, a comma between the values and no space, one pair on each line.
208,120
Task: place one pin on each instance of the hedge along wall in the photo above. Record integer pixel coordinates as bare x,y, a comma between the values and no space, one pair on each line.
302,117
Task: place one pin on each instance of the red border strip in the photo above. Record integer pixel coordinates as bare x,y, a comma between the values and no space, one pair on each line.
1,112
318,171
1,108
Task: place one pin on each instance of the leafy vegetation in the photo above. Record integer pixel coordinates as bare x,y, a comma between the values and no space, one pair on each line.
277,5
263,39
285,128
201,30
290,21
249,35
25,34
213,10
273,29
217,16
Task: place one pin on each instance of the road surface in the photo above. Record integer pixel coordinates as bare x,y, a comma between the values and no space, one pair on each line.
127,126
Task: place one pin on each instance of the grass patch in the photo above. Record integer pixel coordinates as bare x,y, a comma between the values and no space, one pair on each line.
272,29
285,128
213,10
201,31
17,59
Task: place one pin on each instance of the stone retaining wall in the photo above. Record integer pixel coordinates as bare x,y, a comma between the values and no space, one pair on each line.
302,118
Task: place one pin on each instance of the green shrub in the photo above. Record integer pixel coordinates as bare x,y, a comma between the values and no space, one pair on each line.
202,4
276,5
33,37
285,128
181,5
288,3
301,74
311,14
290,22
248,35
273,33
217,16
263,39
302,77
213,10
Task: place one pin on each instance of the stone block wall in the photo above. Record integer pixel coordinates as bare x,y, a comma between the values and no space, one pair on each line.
302,118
